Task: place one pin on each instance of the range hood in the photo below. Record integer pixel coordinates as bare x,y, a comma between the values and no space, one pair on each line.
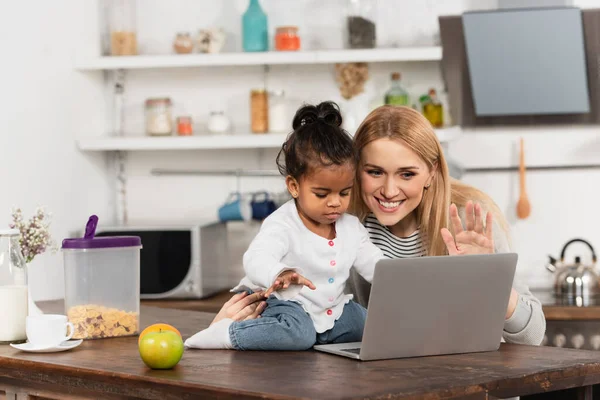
522,66
527,61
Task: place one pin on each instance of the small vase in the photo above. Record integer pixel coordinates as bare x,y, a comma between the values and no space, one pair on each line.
32,307
255,36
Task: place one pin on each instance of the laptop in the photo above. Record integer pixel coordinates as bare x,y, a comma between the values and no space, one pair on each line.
434,305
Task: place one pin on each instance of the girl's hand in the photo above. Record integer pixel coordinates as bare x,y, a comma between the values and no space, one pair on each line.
473,239
287,278
242,306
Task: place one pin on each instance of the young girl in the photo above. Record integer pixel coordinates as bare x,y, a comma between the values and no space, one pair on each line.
303,252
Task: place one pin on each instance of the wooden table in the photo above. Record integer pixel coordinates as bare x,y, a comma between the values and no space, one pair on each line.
552,310
112,369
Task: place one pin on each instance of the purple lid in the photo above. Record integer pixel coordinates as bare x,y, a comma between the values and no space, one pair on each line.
102,242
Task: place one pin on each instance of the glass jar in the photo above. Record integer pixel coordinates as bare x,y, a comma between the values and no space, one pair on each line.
102,285
279,120
287,39
159,119
361,24
122,27
13,289
218,122
184,126
183,43
259,111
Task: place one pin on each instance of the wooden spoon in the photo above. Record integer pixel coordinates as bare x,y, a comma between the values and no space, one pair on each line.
523,205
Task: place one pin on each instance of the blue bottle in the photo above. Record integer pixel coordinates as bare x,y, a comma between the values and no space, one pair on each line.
255,36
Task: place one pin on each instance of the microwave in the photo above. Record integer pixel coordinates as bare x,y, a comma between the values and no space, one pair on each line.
180,261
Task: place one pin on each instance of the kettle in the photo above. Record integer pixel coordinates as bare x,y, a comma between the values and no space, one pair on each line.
576,282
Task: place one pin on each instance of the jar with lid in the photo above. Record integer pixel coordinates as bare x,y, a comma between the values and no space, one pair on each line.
159,119
183,43
287,39
218,122
361,16
13,288
259,110
122,27
102,284
279,120
184,126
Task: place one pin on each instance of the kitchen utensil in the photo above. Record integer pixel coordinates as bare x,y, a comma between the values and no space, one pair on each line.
577,281
523,205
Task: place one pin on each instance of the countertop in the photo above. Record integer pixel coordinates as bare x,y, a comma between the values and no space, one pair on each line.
112,369
554,308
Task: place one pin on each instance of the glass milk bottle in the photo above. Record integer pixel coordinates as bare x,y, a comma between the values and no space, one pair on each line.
13,288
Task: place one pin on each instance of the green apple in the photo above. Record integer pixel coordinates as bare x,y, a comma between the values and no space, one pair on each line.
161,350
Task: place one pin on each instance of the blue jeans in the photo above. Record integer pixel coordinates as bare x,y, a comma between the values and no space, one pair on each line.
284,325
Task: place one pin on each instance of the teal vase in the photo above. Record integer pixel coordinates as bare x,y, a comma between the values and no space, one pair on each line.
255,35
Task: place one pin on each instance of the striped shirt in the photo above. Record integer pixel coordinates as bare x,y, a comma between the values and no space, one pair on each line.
391,245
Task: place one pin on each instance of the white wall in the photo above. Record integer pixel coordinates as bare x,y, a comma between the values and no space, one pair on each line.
45,105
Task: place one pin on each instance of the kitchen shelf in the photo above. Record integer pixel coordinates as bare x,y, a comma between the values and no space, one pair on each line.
432,53
199,142
206,142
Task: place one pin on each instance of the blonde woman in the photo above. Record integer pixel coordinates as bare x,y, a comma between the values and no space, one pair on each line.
411,207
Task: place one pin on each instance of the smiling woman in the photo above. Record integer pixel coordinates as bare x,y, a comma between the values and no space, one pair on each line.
411,207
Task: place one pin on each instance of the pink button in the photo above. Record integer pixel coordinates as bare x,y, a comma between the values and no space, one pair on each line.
329,312
331,243
332,263
331,299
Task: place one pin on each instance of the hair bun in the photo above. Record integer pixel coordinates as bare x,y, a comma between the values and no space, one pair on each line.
330,113
326,111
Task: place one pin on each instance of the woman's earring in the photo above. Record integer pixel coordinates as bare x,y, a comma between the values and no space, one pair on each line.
294,195
427,186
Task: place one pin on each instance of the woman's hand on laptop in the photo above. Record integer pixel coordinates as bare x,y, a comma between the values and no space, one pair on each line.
287,278
242,306
475,239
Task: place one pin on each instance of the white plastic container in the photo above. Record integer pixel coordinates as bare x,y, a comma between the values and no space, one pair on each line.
102,285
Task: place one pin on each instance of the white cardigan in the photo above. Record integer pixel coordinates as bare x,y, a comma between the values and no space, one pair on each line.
284,243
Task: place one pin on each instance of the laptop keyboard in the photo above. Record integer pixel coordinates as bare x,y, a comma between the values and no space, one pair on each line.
353,351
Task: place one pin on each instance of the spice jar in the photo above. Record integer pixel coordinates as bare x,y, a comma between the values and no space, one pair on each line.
361,18
184,126
259,107
159,121
183,43
287,39
218,122
122,27
279,120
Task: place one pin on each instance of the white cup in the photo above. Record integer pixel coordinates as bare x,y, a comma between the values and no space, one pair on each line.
48,330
